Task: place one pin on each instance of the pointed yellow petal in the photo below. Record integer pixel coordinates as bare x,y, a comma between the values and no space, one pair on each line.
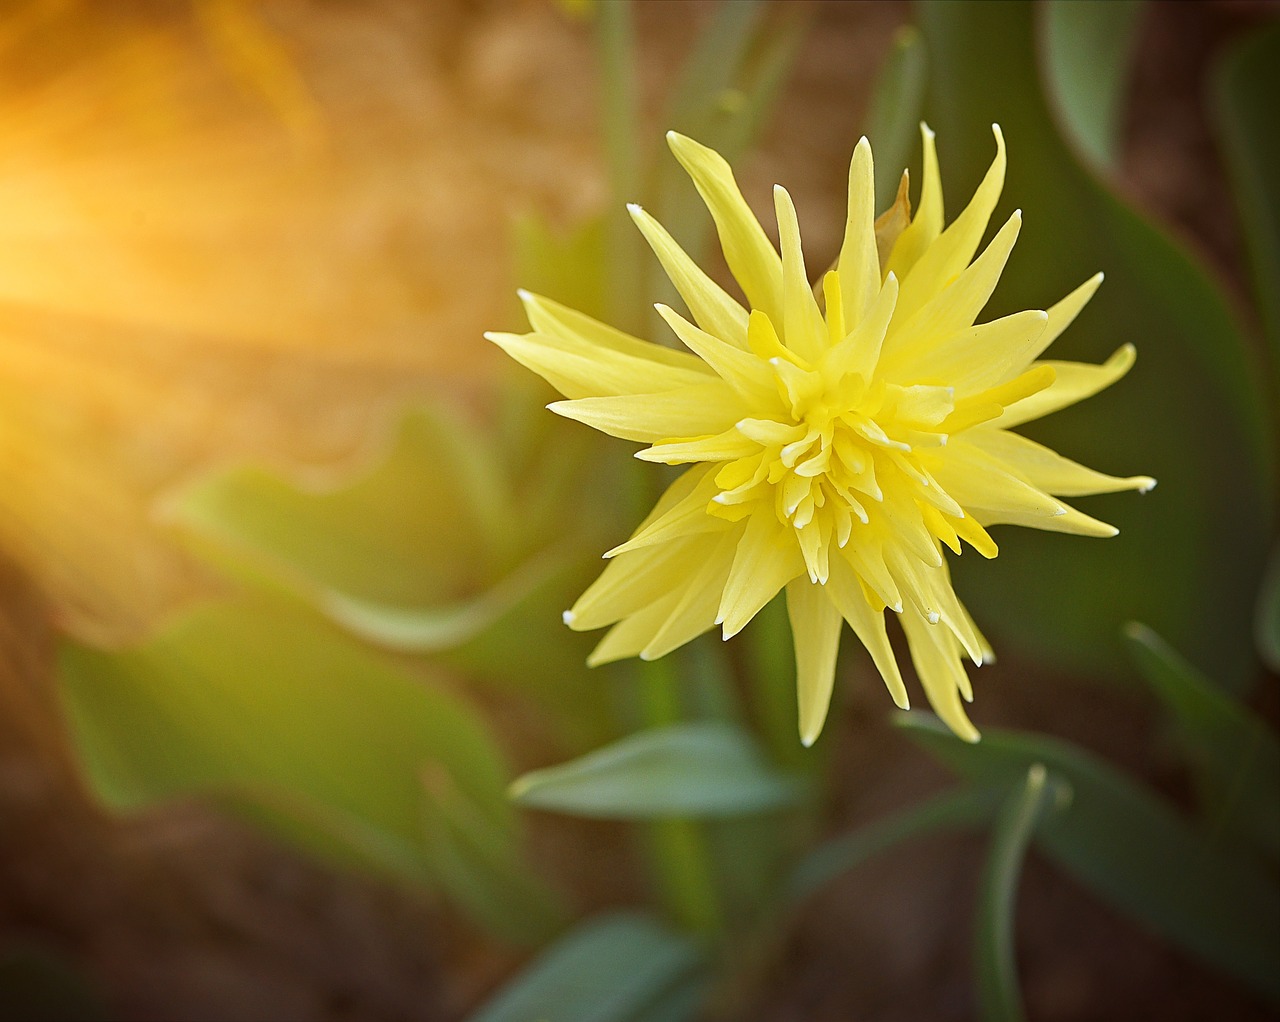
803,329
747,249
974,359
629,583
890,224
728,446
859,352
1073,381
935,653
685,517
951,252
989,488
926,225
1049,470
858,265
767,559
954,309
651,418
742,370
815,632
556,320
629,636
867,623
695,611
709,303
579,369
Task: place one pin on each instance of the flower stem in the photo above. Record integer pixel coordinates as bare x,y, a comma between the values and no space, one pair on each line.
678,848
615,52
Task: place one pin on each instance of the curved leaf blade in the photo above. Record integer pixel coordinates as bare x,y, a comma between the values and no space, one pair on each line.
999,994
1133,850
621,968
1234,756
682,770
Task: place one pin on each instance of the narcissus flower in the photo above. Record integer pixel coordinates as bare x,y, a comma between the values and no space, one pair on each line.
836,441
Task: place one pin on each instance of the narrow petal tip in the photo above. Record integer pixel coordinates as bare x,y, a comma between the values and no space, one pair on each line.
1148,484
568,617
524,294
807,740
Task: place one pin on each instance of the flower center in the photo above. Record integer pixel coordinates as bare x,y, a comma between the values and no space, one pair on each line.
843,465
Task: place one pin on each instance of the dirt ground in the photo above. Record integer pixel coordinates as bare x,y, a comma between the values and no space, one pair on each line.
187,915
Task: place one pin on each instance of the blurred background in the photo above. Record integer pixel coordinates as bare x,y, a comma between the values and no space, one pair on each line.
238,233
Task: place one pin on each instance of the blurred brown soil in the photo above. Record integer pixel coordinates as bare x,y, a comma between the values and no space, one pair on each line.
184,914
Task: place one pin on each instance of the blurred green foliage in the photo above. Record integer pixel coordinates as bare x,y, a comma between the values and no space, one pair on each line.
331,700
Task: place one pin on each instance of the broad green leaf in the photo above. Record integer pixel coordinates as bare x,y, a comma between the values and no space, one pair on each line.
1131,848
692,769
960,808
995,962
1088,51
1191,413
430,524
894,115
1245,86
264,706
625,967
1234,755
430,630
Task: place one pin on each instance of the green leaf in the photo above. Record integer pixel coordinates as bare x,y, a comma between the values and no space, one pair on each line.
1088,51
429,630
1192,412
1244,86
262,705
961,808
692,769
430,524
995,962
1234,755
1133,850
894,115
625,967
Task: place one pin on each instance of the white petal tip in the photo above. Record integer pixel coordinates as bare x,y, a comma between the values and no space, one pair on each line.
524,294
635,209
934,617
568,617
897,607
645,655
1147,485
1099,277
808,740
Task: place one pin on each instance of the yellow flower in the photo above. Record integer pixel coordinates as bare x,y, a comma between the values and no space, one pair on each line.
836,443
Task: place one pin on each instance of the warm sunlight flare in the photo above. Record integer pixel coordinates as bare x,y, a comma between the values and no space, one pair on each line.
837,442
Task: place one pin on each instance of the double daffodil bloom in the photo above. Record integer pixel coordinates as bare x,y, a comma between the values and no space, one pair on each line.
836,441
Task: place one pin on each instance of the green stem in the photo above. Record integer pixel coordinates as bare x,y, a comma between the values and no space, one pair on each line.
615,52
678,849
